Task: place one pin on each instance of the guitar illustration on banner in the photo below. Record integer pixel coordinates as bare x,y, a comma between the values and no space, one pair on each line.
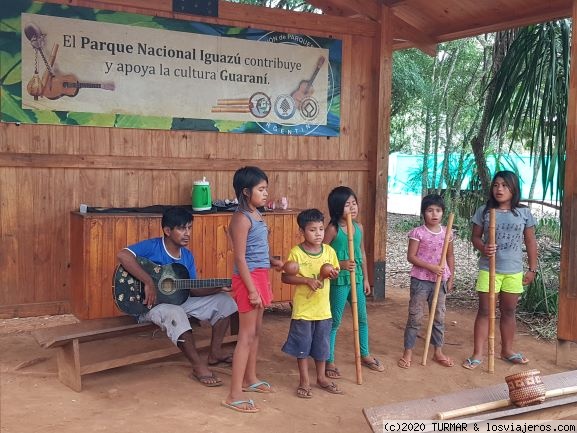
173,285
68,85
305,87
52,85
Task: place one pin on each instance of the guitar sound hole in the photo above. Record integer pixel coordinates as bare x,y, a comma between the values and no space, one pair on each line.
167,287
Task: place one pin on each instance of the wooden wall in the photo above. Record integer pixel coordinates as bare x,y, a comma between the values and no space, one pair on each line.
47,171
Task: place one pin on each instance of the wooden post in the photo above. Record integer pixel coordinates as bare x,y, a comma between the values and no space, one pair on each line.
379,159
354,301
567,316
433,309
491,339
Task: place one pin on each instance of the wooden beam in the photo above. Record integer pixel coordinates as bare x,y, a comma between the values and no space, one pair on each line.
392,3
539,17
413,36
241,15
34,309
328,7
366,8
41,160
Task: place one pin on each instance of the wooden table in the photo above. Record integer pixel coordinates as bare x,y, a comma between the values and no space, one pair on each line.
96,239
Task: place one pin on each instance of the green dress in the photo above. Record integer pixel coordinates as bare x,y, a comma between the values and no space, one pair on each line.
341,290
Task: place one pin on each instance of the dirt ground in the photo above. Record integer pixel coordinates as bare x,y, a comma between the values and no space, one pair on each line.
159,397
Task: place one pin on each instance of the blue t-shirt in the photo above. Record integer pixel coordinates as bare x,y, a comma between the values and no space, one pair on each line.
509,238
155,251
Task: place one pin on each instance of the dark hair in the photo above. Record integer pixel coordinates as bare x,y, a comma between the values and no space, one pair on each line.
432,200
246,178
175,217
512,182
337,199
309,216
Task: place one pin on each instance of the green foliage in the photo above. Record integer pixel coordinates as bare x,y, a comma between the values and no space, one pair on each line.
550,227
407,224
532,89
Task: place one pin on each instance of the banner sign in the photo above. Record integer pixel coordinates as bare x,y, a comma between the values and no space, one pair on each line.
70,65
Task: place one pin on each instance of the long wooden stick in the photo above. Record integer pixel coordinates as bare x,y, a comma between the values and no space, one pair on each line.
437,287
491,339
354,301
499,404
51,61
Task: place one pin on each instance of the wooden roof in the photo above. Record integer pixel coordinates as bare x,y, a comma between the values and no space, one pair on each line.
424,23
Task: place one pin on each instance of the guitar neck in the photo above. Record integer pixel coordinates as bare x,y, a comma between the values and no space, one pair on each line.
68,85
201,284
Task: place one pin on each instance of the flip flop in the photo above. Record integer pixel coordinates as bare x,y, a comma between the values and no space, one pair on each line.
403,363
226,360
332,373
332,388
447,362
374,365
206,380
258,387
303,392
516,358
471,364
238,406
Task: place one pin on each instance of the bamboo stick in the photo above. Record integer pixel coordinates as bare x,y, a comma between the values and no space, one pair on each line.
491,339
51,61
499,404
230,109
237,101
354,301
437,287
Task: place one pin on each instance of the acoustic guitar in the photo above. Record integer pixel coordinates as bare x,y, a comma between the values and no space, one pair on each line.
68,85
305,87
172,282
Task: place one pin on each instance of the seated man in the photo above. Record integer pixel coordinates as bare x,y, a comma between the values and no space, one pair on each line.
213,305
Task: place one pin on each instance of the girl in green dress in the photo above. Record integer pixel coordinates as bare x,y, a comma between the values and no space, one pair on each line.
342,200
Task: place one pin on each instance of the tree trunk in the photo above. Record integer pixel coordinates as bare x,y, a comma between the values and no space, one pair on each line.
478,144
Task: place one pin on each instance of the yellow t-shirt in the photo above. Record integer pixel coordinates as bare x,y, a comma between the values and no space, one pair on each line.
309,305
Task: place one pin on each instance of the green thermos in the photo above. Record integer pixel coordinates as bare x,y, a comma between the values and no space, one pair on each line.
201,197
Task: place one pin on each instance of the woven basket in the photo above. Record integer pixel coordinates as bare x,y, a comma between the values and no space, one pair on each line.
526,388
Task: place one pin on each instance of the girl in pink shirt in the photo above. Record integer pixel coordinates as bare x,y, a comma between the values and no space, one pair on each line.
424,253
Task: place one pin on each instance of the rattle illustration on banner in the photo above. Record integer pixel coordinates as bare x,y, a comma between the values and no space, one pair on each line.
53,85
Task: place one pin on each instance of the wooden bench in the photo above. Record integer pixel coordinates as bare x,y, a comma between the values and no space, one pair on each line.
74,363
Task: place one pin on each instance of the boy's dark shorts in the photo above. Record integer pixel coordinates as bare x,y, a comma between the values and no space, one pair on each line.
309,338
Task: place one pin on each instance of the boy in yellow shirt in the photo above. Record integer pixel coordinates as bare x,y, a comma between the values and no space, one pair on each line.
309,333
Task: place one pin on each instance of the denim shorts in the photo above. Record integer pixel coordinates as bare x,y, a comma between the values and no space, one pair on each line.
309,338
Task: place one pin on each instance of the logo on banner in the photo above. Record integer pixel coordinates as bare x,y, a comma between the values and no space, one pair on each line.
299,109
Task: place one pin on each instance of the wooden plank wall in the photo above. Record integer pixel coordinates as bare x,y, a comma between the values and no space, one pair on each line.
47,171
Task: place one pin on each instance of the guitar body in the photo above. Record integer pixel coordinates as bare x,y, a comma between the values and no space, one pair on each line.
61,85
172,286
305,87
304,90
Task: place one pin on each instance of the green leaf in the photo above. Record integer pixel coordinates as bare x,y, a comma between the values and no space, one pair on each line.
10,71
228,125
12,108
90,119
47,117
143,122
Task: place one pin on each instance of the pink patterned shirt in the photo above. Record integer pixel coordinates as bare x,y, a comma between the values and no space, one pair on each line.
429,250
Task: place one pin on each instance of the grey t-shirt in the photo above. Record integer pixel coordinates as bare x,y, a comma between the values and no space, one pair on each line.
509,238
